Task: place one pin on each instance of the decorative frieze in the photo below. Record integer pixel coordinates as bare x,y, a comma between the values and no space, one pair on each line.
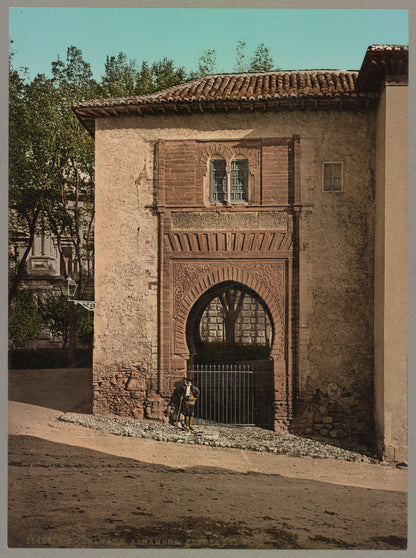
260,242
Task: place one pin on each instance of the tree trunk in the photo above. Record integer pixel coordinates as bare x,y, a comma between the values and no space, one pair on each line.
72,338
20,270
229,322
231,312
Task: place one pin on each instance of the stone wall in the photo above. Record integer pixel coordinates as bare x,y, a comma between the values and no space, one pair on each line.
332,338
251,327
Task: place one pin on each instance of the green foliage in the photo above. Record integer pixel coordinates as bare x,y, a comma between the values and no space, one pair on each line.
120,76
55,315
166,75
85,324
262,60
207,64
123,78
55,311
241,60
25,319
51,157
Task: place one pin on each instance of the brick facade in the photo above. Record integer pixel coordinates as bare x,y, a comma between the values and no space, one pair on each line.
215,244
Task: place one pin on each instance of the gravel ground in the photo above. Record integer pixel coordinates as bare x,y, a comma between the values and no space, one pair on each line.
247,438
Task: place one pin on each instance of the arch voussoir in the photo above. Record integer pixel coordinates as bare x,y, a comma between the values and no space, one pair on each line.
220,275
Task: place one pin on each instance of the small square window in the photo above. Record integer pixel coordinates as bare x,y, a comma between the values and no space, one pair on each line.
332,177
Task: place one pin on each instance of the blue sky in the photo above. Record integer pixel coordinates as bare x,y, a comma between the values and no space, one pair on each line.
297,38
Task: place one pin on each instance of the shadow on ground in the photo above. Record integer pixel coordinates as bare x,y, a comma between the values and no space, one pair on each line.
61,389
64,496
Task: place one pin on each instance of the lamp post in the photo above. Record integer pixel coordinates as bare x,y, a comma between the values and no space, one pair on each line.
71,287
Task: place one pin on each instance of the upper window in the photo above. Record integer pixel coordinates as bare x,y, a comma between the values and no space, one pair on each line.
239,180
332,177
218,181
220,190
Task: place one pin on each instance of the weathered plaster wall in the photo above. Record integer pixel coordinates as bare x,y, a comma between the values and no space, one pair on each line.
125,344
391,274
335,367
336,282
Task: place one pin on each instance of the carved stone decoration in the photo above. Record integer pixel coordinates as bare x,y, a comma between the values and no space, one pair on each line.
192,279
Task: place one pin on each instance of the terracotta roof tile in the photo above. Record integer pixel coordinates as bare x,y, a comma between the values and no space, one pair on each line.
262,91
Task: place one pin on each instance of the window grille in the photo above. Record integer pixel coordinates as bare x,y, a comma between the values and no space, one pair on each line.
218,189
239,180
332,177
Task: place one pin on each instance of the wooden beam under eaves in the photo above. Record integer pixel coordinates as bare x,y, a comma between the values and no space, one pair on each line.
105,112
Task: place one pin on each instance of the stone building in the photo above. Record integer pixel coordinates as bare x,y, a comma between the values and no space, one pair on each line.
288,186
46,269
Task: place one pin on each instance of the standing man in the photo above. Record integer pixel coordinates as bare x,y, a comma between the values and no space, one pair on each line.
190,395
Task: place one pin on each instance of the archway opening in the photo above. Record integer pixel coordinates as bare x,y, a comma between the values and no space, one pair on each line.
230,334
229,323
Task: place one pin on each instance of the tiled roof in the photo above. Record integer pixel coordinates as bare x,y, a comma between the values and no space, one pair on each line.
242,92
245,87
382,61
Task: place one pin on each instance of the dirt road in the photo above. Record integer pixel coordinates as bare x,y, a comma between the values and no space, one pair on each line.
72,487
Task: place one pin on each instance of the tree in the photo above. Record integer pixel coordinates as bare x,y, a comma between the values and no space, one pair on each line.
120,78
52,169
85,328
144,82
207,64
262,60
55,315
241,60
69,211
166,75
37,155
232,303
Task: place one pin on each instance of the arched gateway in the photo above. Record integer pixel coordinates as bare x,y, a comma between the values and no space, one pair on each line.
195,285
230,336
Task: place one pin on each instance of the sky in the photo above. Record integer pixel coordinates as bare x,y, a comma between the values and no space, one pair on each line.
297,38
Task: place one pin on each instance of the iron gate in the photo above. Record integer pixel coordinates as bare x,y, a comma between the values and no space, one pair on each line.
227,394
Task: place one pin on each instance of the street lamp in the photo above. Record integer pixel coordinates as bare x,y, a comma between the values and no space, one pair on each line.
71,287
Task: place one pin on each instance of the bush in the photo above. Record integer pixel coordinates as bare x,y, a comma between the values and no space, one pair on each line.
25,319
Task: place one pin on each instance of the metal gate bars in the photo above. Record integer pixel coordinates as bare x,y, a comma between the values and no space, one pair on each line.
227,394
